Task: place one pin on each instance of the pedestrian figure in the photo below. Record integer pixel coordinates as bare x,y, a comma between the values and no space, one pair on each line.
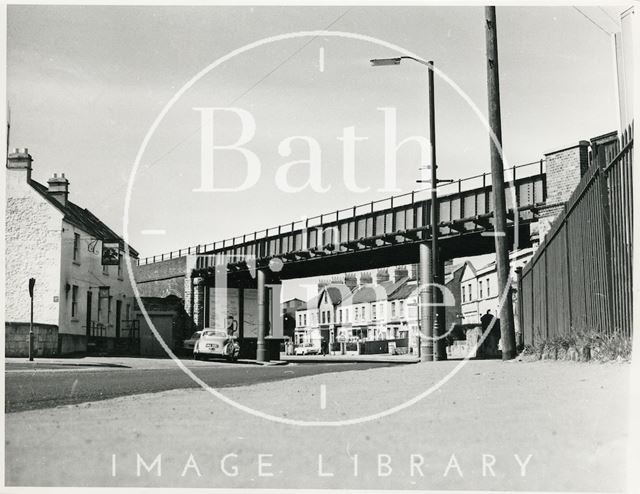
232,326
486,319
323,347
492,340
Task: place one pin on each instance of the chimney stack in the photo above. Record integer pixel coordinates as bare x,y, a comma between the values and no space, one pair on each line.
350,281
59,188
20,159
382,275
322,284
399,273
366,278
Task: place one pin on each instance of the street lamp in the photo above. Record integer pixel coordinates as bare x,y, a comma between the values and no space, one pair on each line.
434,271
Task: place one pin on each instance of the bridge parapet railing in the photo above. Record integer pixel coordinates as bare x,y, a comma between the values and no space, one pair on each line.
384,215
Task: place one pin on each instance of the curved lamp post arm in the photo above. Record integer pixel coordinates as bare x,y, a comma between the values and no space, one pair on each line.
377,62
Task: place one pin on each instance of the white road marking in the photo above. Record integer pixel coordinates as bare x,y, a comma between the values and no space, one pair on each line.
322,59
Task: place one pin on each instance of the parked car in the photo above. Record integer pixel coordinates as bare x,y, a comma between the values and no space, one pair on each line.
190,342
306,349
216,343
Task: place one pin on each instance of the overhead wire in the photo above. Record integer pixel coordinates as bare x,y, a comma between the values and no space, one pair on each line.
608,33
253,86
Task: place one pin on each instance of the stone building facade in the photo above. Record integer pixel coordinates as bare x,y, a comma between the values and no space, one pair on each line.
51,239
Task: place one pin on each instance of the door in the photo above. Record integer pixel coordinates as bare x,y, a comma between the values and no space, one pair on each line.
88,322
118,317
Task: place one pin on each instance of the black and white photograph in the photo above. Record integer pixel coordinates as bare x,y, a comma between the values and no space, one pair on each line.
320,247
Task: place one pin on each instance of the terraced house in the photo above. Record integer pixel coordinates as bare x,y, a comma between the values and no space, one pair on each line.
361,310
80,301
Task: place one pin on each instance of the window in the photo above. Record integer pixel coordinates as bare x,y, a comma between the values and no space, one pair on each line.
470,295
488,288
464,293
373,309
76,247
74,301
393,309
401,309
305,319
357,312
340,315
480,289
324,317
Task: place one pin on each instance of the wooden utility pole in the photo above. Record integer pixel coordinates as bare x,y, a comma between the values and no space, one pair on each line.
507,331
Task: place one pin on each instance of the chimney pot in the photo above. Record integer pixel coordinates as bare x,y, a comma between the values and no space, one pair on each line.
59,188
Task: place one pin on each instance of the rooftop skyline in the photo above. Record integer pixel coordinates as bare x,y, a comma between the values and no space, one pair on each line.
86,83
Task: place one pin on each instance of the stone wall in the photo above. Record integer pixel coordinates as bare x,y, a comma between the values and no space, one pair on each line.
16,339
32,250
161,279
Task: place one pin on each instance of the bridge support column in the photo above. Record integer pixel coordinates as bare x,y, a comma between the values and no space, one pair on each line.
206,319
188,296
262,353
440,344
426,309
198,302
240,334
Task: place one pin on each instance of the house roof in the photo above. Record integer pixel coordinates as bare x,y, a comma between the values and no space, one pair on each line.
455,273
82,218
405,291
367,293
372,293
469,265
337,293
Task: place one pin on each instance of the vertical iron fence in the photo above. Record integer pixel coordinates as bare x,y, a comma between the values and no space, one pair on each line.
580,277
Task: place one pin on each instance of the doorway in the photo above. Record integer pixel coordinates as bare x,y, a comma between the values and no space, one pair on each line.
118,317
89,303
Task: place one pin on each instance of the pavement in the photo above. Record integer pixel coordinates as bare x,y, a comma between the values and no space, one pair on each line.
106,362
481,425
386,358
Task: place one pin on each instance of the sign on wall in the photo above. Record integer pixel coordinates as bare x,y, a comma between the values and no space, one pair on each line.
110,253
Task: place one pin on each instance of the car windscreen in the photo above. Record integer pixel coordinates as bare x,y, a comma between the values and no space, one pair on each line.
214,333
195,335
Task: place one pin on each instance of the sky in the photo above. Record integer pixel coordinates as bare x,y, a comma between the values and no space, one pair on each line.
85,85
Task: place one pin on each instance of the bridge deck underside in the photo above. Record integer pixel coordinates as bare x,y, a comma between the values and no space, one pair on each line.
387,237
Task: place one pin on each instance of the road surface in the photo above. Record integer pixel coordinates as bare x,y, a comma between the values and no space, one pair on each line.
29,388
